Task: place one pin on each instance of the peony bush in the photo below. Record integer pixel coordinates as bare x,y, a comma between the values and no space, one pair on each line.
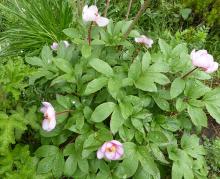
121,106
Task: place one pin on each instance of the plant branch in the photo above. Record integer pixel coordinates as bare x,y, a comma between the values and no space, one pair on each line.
106,8
62,112
136,18
89,33
128,11
184,76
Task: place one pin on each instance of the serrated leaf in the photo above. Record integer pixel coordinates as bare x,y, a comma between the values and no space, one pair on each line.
102,111
134,70
214,111
35,61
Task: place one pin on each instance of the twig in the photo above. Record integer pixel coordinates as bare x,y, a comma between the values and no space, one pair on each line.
89,33
106,8
66,111
140,12
184,76
128,11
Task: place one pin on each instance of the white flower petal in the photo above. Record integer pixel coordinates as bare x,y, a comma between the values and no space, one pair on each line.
100,154
102,21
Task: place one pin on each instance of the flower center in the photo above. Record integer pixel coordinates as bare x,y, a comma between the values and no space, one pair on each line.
111,149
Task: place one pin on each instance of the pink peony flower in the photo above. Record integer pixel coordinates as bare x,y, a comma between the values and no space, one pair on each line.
54,46
49,122
144,40
203,60
91,14
111,150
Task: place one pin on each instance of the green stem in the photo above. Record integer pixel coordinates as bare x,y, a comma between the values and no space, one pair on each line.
62,112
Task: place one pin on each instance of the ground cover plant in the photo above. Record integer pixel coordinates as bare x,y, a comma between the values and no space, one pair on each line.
107,100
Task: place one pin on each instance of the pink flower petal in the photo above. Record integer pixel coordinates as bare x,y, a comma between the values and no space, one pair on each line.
110,155
213,68
116,142
100,154
90,13
102,21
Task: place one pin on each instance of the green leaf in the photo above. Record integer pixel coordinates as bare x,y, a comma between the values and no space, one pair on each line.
197,116
138,125
114,86
117,120
9,125
158,154
180,104
185,12
45,165
177,172
177,87
195,89
128,167
70,166
146,84
159,66
95,85
102,111
157,137
83,165
86,51
147,162
134,70
35,61
46,55
71,32
63,65
126,109
46,150
162,103
58,165
64,101
101,67
146,60
164,47
214,111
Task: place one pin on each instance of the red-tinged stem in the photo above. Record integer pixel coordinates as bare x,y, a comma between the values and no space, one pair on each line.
184,76
106,8
136,18
129,9
62,112
89,33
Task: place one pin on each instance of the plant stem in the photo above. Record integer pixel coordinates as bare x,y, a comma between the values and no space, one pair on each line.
62,112
136,18
106,8
128,11
184,76
89,33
